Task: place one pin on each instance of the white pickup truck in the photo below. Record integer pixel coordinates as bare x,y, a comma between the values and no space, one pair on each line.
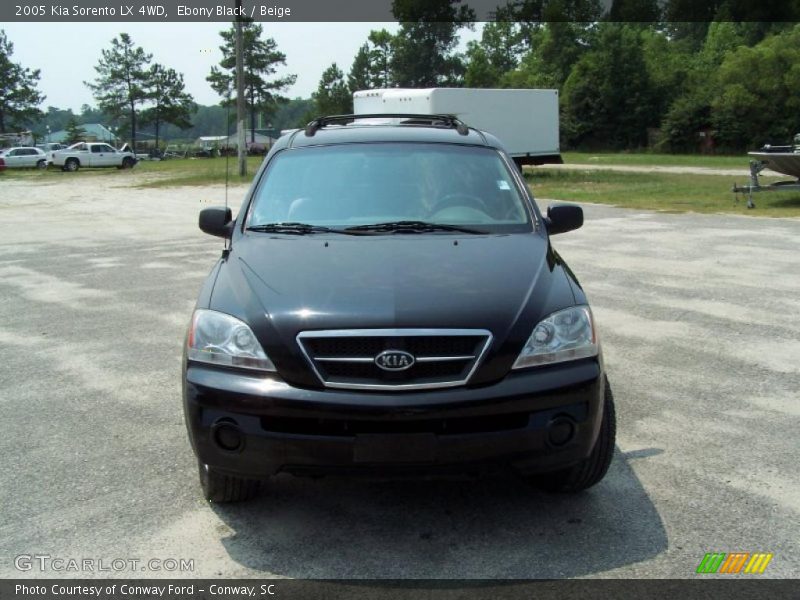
92,154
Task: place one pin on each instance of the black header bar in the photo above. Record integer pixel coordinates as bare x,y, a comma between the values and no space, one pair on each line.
381,10
734,588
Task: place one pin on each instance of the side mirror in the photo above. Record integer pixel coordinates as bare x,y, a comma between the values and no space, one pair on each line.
563,217
216,220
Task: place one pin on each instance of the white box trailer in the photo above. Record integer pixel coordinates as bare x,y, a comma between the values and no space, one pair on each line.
526,121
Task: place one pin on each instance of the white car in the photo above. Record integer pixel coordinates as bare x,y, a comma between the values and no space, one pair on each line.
24,157
51,147
92,154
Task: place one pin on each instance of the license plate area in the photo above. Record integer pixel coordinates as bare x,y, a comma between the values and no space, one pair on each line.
396,448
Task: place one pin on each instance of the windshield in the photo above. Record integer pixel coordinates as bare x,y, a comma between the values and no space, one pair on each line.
348,185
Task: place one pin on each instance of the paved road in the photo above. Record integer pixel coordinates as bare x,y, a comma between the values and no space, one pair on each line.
699,320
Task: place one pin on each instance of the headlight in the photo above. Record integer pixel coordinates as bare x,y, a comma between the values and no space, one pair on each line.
565,335
221,339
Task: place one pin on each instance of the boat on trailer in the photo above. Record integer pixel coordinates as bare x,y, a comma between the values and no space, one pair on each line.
781,159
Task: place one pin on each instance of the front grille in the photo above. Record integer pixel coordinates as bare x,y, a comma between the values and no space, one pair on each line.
347,358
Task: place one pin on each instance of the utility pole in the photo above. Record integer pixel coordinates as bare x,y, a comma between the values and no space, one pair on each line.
240,107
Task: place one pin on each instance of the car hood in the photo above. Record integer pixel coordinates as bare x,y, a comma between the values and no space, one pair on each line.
283,285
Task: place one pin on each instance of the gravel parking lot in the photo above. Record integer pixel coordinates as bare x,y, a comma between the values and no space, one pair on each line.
699,319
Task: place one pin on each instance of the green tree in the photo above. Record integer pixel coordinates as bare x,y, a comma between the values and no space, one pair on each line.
55,118
19,98
75,133
531,15
261,61
497,53
424,48
669,64
689,111
170,101
479,72
553,50
551,36
120,87
332,96
372,66
690,19
381,54
210,120
756,98
293,114
360,75
608,98
90,114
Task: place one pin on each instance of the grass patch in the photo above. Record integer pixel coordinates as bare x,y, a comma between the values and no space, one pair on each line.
660,191
665,160
200,171
151,173
49,174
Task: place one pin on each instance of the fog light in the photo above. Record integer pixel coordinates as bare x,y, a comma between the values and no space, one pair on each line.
228,437
560,431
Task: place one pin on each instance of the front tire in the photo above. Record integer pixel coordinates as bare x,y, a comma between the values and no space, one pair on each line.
41,165
220,487
127,163
593,468
71,165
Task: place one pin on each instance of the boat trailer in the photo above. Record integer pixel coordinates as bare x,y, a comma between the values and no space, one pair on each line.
756,166
781,159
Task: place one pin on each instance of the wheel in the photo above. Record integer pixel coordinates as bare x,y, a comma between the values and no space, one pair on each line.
72,165
459,199
593,468
127,163
41,165
220,487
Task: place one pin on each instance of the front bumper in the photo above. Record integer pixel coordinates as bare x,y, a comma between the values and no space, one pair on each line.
535,420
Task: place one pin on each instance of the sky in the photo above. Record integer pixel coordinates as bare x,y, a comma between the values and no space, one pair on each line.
66,53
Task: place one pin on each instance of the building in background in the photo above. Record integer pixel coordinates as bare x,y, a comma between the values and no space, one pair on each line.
95,132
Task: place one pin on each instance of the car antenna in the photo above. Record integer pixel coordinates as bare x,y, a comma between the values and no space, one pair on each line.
226,241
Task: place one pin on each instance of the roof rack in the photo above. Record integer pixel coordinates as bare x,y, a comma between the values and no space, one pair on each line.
411,119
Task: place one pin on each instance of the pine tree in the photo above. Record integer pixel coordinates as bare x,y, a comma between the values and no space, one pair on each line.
19,98
75,133
170,101
333,96
261,61
371,67
121,86
424,48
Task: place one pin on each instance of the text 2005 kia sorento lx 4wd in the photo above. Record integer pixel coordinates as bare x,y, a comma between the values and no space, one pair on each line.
390,304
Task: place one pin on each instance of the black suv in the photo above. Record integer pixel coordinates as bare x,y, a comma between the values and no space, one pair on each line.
389,303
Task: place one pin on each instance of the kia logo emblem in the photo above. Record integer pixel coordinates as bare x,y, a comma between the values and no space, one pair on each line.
394,360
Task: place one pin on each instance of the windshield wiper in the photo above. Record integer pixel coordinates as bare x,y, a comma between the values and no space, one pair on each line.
412,227
296,228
